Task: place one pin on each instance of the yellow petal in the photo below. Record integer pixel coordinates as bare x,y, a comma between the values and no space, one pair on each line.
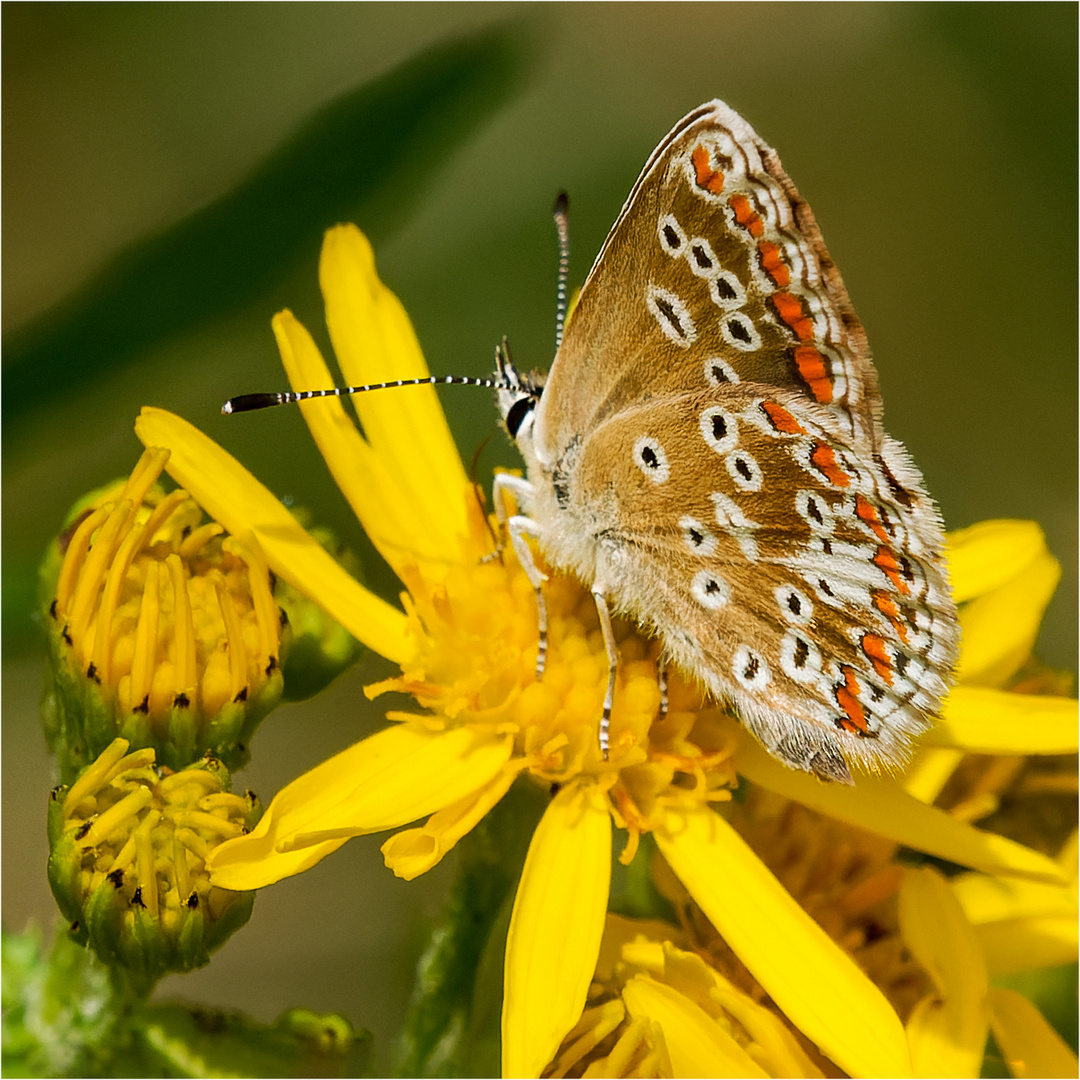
1030,1046
555,929
1014,945
374,342
984,721
989,899
380,503
947,1033
696,1043
816,985
387,780
415,851
232,496
880,804
1000,626
929,771
984,556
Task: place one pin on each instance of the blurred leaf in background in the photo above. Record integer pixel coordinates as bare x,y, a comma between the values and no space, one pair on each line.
367,156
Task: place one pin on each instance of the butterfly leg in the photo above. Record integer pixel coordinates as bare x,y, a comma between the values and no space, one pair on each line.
613,667
519,527
662,684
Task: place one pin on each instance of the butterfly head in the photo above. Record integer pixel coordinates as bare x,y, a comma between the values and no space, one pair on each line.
517,395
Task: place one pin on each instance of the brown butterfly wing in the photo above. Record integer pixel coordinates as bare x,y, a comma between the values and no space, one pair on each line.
714,272
778,568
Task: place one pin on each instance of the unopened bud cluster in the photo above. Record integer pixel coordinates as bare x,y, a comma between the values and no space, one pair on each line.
163,630
129,842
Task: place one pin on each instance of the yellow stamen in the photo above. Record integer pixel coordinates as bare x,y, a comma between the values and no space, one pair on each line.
144,862
144,658
96,775
191,546
234,641
75,555
103,825
184,678
89,584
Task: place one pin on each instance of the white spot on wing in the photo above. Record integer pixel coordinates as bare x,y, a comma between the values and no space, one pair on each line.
720,429
718,372
750,670
739,332
744,470
709,590
650,458
671,313
697,537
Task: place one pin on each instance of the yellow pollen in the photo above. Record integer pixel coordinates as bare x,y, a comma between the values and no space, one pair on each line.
477,632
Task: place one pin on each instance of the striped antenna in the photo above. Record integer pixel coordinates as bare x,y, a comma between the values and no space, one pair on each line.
249,402
562,226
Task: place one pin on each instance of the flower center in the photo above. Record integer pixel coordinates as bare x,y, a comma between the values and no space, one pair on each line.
477,633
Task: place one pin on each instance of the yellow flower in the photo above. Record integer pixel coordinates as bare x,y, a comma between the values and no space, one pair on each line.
658,1009
466,643
678,1002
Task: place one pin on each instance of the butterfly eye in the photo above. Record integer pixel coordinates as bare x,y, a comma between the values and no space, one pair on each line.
521,408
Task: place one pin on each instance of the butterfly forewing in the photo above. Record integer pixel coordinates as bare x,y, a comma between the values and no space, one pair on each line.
714,272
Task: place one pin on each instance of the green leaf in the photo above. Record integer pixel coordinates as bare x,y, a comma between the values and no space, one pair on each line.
367,156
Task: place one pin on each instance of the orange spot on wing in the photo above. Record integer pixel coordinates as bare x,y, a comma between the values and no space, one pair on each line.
868,514
781,419
790,309
746,215
847,697
707,177
825,462
814,372
884,603
874,647
885,560
773,263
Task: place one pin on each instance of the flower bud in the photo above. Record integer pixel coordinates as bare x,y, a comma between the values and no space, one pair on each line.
128,847
162,630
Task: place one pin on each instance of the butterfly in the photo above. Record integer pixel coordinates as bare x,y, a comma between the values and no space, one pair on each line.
706,455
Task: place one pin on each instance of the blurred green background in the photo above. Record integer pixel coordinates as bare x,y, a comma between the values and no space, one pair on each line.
168,174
